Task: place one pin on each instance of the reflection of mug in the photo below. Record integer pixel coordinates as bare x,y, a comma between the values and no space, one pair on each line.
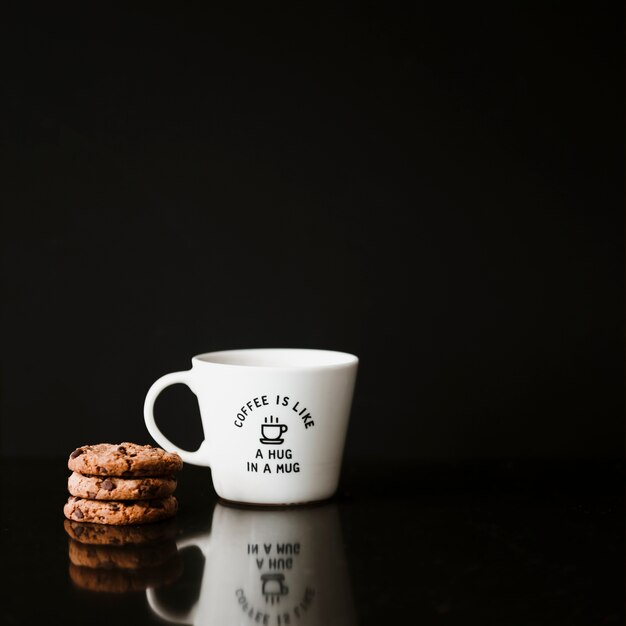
275,567
274,421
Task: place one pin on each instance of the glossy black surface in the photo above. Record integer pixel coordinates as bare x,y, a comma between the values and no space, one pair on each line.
438,544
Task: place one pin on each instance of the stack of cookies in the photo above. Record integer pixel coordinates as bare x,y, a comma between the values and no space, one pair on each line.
121,484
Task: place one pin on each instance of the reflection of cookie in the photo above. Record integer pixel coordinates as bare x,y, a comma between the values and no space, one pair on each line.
128,512
103,535
124,459
125,580
121,557
114,488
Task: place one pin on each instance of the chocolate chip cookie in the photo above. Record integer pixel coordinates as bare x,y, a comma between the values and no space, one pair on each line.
125,459
126,580
120,557
120,512
115,488
103,535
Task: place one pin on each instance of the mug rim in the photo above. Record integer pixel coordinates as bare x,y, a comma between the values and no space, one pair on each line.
286,358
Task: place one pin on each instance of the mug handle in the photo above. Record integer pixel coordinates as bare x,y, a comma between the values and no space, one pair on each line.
178,617
188,456
166,614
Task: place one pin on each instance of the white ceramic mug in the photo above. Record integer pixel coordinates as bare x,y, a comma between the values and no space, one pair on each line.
272,567
274,421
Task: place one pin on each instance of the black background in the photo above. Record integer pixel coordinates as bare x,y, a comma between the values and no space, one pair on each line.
437,189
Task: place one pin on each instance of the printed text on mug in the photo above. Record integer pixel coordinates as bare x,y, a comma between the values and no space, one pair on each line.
260,402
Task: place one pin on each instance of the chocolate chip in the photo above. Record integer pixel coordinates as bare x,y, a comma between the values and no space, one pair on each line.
76,453
78,513
121,449
108,485
115,507
91,494
78,531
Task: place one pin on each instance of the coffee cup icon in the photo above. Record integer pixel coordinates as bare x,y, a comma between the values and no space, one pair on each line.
273,587
272,433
